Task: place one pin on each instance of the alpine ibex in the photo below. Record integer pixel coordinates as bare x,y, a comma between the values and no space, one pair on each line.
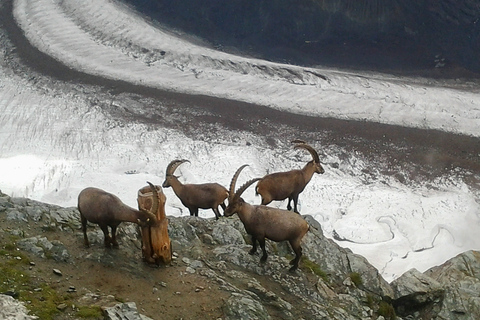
265,222
107,210
195,196
283,185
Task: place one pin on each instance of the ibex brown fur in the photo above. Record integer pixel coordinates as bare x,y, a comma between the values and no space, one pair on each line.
262,222
283,185
195,196
107,210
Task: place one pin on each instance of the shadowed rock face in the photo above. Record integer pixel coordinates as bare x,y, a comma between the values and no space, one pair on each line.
407,35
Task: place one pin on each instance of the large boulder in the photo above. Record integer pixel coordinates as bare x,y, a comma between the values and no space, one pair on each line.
460,276
418,295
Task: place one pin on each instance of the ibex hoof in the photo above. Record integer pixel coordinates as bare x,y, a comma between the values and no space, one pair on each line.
292,269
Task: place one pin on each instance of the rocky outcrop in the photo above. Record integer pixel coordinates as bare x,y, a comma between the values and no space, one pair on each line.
417,295
123,311
460,278
332,282
13,309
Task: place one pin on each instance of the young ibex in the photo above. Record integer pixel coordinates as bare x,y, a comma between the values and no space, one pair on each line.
265,222
195,196
283,185
107,210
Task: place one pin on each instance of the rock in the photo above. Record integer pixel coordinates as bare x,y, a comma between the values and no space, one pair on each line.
35,213
21,202
62,306
226,234
42,247
12,309
460,276
124,311
5,203
57,272
195,264
14,214
242,307
415,292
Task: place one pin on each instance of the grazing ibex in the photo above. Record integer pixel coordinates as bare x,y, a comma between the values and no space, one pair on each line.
107,210
283,185
195,196
265,222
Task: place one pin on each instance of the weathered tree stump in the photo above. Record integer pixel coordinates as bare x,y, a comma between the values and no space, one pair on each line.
156,246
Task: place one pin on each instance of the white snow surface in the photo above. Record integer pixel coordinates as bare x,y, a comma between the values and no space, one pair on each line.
54,145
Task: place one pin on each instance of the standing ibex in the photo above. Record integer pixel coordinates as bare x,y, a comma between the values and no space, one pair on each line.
283,185
195,196
107,210
265,222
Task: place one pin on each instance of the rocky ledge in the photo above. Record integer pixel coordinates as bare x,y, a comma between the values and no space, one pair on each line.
331,283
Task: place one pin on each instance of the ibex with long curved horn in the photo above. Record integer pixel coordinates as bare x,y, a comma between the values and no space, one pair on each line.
262,222
283,185
107,210
196,196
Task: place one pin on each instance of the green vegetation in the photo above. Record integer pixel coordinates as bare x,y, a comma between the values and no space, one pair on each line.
356,279
43,303
89,312
386,310
307,264
40,299
12,279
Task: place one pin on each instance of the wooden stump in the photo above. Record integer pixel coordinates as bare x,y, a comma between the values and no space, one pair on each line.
156,246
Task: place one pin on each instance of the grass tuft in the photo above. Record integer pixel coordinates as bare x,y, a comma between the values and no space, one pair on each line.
89,312
356,279
307,264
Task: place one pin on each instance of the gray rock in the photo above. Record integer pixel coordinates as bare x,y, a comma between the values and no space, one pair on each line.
242,307
195,264
460,276
415,292
12,309
35,213
124,311
22,202
5,203
14,214
42,247
226,234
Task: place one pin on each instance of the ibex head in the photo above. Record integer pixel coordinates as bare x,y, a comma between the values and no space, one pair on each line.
172,166
300,144
234,199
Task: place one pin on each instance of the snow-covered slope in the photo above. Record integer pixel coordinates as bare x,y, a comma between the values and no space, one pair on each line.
56,139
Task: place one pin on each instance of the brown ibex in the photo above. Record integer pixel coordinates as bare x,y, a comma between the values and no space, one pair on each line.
283,185
195,196
265,222
107,210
